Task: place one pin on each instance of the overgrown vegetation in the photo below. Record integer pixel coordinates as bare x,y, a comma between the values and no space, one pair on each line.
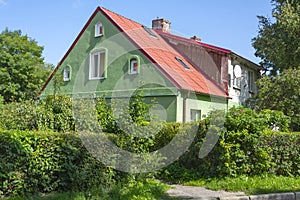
39,161
281,92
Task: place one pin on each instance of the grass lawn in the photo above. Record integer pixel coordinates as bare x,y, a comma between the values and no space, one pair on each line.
250,185
149,190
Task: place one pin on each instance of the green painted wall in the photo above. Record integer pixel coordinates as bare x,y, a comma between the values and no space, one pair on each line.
119,51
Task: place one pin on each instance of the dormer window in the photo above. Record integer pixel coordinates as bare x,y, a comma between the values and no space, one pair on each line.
98,29
134,65
67,73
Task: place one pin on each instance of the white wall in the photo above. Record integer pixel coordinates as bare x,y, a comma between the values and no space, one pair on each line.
239,94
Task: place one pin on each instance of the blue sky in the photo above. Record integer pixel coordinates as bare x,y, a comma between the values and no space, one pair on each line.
55,24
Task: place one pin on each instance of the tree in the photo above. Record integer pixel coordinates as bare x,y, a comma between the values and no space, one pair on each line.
22,69
278,42
281,92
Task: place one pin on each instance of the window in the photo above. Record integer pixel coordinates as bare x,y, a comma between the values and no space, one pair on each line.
67,73
195,115
237,83
149,31
133,66
97,65
229,80
182,63
251,81
98,29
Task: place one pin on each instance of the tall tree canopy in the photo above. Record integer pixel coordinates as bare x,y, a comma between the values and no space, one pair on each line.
278,42
22,68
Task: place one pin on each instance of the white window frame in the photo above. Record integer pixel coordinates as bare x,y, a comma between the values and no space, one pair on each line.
132,63
101,64
196,113
67,73
98,27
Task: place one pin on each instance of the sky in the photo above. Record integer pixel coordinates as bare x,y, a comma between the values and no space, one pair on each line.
55,24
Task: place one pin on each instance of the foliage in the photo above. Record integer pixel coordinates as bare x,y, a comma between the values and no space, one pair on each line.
145,190
284,151
34,162
278,42
281,93
22,70
245,147
53,113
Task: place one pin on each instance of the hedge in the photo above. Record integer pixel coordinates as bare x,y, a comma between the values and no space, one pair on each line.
32,162
246,146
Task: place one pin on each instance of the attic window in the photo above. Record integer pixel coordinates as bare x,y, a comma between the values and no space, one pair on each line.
98,29
182,63
149,31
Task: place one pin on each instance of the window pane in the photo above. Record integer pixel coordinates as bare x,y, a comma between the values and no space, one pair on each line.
95,66
66,75
102,64
195,115
133,66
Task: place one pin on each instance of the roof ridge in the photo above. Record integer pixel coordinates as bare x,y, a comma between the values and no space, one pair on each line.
195,42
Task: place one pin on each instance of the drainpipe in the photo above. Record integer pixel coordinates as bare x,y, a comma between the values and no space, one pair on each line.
184,110
185,96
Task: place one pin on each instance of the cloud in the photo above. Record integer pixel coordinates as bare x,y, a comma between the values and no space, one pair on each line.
3,2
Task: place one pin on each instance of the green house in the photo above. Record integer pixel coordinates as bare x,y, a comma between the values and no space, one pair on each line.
112,57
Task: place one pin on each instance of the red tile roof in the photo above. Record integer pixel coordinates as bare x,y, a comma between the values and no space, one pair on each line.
159,52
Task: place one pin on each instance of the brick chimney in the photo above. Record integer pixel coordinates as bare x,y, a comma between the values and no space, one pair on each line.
161,24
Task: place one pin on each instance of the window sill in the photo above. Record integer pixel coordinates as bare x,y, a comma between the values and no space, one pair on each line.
99,78
98,35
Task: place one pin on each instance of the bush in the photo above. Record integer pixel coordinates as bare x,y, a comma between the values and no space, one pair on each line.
32,162
284,152
54,113
243,147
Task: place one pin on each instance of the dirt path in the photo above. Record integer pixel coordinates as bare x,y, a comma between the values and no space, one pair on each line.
191,192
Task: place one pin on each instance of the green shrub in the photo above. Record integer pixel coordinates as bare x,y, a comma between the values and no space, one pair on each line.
243,147
284,152
32,162
53,113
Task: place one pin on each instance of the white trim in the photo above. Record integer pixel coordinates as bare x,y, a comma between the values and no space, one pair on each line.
132,62
101,65
98,27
